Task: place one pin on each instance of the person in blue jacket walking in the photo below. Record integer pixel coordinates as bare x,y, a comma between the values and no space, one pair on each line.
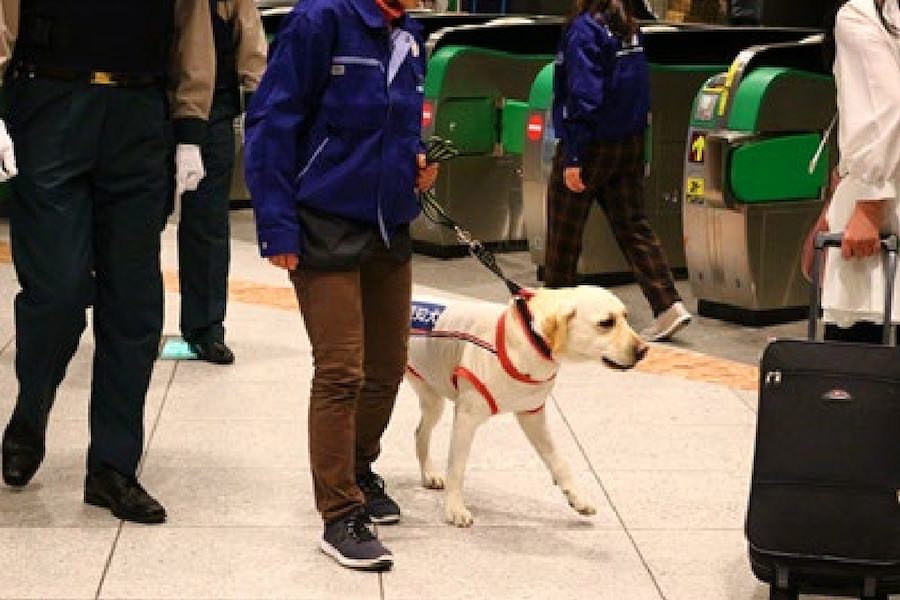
601,107
334,159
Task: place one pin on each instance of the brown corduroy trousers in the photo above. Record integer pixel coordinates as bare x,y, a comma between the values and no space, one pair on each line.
358,326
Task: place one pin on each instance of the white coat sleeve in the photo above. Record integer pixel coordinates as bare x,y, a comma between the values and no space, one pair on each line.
869,69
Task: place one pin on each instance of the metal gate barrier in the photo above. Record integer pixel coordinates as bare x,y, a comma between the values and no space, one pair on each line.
749,195
479,78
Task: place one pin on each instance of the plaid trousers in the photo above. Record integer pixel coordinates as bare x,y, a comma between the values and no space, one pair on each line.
613,172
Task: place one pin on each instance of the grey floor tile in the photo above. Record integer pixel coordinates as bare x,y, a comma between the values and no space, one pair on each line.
228,444
193,399
664,447
605,399
750,398
55,498
679,499
53,563
513,498
700,565
514,562
229,563
234,497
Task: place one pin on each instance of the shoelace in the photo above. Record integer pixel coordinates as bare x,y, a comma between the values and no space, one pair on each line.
360,529
371,483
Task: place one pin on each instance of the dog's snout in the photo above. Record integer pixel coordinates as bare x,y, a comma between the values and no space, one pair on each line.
640,352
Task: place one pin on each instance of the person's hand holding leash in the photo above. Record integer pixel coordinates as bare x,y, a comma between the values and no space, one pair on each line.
189,171
288,262
572,175
8,168
427,174
862,237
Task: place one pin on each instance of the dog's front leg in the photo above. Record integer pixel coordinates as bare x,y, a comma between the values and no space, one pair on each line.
535,427
465,422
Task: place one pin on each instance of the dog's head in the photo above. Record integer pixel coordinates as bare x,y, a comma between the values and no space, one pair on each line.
587,323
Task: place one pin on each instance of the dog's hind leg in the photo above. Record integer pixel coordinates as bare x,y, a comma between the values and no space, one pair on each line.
535,427
432,405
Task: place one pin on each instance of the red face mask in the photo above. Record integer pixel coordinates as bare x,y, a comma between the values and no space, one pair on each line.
391,9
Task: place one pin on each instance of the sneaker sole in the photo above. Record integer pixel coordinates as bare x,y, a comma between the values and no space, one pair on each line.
385,520
677,326
382,563
98,501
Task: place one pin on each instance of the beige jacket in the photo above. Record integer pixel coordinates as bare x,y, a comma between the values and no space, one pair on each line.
867,73
192,71
250,39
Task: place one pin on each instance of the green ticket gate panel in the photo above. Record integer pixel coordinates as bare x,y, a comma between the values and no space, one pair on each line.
751,188
477,97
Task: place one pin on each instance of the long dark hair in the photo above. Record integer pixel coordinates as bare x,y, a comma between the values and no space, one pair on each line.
615,14
829,47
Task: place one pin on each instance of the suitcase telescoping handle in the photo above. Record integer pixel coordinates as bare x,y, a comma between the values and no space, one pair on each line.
889,244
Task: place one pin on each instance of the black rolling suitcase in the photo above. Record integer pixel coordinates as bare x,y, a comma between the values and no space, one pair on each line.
824,513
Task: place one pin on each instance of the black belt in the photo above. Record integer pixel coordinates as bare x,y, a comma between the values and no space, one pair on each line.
104,78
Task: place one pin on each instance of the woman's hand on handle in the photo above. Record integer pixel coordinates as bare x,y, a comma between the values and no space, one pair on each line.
862,237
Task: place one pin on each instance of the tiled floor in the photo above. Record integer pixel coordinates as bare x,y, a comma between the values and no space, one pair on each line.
665,459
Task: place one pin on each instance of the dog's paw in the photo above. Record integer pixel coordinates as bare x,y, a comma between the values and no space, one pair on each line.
432,481
459,516
580,506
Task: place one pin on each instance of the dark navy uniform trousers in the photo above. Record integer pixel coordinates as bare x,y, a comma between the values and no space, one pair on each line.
203,231
85,225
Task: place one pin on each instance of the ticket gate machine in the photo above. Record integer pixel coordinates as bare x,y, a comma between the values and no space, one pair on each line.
749,193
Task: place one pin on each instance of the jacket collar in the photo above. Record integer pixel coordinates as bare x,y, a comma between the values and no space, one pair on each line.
373,17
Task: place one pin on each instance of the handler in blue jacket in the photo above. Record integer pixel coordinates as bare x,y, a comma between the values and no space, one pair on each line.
334,159
601,107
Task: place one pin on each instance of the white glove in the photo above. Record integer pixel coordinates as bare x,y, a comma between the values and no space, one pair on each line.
7,157
189,169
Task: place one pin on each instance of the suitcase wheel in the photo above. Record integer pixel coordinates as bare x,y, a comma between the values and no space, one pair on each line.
777,594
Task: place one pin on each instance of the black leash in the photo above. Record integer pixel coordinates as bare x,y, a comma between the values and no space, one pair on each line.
440,150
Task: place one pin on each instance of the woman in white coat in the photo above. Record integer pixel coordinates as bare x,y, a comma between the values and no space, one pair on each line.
865,203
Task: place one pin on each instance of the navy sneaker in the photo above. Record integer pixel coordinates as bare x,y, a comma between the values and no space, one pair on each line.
352,542
381,508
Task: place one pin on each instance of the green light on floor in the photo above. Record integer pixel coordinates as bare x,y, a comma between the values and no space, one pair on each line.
175,348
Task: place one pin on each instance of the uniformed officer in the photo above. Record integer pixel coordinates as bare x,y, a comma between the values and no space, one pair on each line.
88,119
203,231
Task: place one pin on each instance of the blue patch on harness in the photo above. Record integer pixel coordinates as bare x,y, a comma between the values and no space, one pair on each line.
425,315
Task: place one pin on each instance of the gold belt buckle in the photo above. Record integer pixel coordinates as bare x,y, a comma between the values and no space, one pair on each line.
103,78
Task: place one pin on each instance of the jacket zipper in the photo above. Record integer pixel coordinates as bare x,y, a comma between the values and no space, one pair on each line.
313,158
776,376
387,88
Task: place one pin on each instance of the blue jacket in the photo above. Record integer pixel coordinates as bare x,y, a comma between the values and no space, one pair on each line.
327,130
601,87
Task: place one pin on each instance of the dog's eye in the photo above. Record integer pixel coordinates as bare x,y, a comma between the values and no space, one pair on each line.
608,323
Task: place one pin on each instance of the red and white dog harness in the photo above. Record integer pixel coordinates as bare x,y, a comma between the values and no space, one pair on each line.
424,320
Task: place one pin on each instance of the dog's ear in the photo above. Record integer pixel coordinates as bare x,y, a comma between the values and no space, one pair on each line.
556,328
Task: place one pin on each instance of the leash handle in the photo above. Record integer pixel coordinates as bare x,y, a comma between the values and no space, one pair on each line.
441,150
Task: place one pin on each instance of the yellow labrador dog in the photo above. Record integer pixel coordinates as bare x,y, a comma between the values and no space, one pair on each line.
490,360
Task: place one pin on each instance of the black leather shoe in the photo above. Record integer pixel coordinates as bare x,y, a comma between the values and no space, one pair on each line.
214,352
122,495
23,451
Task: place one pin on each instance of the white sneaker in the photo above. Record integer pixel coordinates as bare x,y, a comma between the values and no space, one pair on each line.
668,323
